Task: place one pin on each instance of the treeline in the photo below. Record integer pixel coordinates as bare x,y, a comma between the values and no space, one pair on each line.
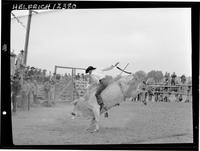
156,76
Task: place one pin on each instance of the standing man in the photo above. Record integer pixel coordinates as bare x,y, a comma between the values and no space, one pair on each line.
183,79
52,92
31,72
20,59
98,77
12,63
34,90
166,78
47,87
173,76
142,92
15,90
26,93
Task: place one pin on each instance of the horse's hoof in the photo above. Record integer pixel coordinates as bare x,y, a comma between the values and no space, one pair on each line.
145,103
90,128
93,131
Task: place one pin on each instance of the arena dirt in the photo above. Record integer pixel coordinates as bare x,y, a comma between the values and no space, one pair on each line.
130,123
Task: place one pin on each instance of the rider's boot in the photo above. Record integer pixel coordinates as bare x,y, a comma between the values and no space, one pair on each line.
102,107
100,102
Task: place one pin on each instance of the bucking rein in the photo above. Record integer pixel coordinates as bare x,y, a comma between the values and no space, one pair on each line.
123,70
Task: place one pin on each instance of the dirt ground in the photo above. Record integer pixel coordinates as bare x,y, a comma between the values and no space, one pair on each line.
130,123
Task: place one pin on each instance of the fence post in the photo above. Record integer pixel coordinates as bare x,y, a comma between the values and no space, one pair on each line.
55,69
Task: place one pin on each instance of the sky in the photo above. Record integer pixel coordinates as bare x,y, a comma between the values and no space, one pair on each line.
146,38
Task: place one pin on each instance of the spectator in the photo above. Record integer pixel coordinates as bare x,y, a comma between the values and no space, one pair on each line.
26,93
20,59
26,70
34,90
78,76
31,72
173,76
40,75
142,92
53,78
167,78
69,76
183,79
12,63
44,72
82,76
52,92
58,76
15,89
47,87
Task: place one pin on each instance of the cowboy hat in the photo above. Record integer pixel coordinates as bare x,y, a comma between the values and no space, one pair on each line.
89,68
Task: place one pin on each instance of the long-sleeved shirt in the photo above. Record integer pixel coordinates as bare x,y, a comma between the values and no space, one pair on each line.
98,74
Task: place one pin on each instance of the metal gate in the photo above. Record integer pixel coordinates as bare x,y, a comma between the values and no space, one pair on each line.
79,86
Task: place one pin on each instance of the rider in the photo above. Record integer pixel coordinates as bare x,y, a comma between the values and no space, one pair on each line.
98,76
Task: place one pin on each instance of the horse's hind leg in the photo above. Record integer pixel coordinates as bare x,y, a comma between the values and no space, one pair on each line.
92,124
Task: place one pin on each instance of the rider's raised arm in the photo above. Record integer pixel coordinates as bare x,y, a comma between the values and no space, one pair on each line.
110,67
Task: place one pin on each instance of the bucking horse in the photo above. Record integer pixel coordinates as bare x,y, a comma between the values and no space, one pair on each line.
116,92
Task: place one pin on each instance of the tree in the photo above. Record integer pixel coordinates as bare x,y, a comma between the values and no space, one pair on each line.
141,75
156,75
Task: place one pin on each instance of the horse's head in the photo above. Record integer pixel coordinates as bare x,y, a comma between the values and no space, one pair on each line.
125,81
129,84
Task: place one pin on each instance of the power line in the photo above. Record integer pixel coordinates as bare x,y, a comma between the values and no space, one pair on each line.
40,12
18,20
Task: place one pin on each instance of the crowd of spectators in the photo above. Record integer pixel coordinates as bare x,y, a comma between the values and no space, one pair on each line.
25,81
171,86
173,79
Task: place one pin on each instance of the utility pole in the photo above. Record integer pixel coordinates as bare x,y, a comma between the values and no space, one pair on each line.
27,36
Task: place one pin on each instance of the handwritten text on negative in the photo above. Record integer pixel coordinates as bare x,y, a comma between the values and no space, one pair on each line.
44,6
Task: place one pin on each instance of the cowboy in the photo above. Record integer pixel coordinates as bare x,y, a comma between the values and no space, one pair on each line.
173,76
183,79
52,91
142,89
34,90
20,59
31,72
47,88
167,77
98,77
12,63
26,93
15,90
